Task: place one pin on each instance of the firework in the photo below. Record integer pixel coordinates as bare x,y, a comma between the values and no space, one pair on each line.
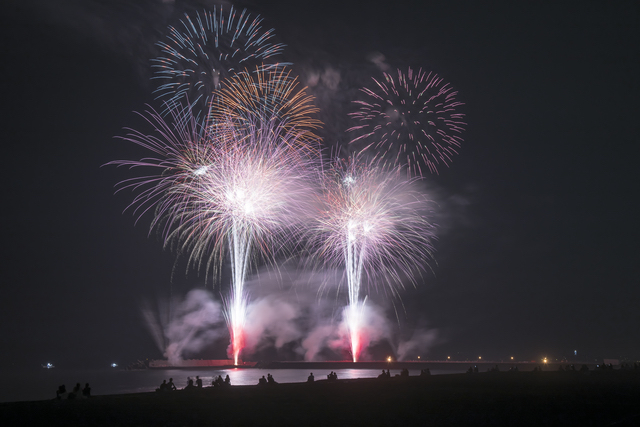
249,202
221,189
207,47
373,224
264,96
409,120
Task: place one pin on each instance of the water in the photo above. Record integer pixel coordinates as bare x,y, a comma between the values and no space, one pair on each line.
41,384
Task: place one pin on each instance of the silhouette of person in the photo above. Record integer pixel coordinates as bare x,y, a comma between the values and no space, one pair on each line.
170,385
164,386
227,380
189,384
75,393
270,379
86,391
262,381
219,381
310,378
61,393
198,382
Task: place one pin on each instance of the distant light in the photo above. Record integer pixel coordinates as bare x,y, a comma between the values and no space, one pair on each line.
389,359
575,352
48,365
544,360
114,365
511,357
418,357
448,357
479,357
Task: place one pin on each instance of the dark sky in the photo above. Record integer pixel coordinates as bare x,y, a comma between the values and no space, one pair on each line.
537,254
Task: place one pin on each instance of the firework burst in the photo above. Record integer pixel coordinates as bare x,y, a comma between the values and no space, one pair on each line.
409,120
264,96
374,225
207,47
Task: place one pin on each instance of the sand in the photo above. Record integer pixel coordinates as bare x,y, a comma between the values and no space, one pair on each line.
491,398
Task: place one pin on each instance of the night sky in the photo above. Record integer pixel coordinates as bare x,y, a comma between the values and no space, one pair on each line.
538,245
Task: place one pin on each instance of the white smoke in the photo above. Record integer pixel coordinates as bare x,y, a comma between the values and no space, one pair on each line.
193,324
420,343
271,320
379,60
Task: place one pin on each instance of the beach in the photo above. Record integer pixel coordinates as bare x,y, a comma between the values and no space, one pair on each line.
489,398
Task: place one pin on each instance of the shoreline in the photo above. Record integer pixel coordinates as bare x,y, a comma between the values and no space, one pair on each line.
488,398
378,364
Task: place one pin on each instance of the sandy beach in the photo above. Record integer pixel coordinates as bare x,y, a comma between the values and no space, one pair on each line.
491,398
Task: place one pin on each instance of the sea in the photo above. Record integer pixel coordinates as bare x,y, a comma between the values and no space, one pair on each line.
41,384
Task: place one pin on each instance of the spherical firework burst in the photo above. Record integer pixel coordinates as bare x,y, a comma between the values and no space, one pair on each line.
373,224
254,185
410,120
207,47
264,96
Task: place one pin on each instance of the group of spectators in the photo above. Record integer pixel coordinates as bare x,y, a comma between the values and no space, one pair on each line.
76,393
267,381
193,385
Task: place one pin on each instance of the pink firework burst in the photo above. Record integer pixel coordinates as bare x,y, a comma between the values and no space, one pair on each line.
409,120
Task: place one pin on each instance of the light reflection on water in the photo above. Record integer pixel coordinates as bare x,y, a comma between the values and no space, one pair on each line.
42,384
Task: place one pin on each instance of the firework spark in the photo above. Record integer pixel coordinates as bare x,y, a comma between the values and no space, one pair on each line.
208,47
410,120
373,224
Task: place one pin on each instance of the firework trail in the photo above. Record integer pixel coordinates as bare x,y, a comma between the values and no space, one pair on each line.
207,47
264,96
410,120
373,224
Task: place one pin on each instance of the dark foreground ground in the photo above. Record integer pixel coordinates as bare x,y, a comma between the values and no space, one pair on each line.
492,398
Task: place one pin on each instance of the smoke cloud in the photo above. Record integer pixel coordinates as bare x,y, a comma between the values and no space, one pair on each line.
286,310
193,324
420,343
